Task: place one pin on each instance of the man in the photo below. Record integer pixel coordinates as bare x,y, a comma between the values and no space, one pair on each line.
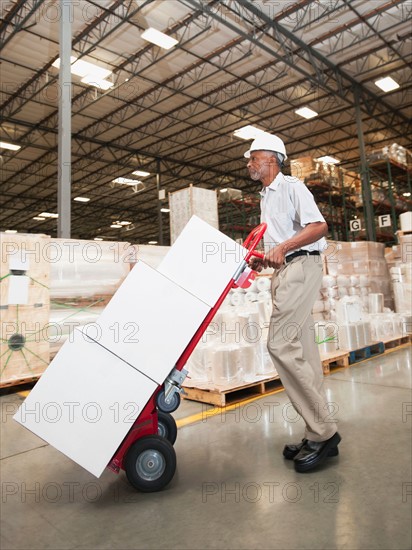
293,241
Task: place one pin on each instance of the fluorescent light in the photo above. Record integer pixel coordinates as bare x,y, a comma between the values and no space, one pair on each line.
81,199
159,38
11,231
224,190
387,84
248,132
97,83
141,173
39,218
98,239
124,223
48,215
116,226
85,69
165,210
328,160
152,242
406,194
11,146
127,181
305,112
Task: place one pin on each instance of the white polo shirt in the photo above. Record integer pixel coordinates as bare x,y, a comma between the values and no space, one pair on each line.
287,206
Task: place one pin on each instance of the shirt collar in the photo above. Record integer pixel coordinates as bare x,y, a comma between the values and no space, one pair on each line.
273,186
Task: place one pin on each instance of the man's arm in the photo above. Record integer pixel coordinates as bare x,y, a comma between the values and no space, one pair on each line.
310,233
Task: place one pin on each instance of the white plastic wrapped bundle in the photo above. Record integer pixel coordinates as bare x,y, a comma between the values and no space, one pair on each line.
367,332
264,363
328,281
248,362
196,364
375,302
331,292
353,291
86,268
63,320
363,280
403,297
263,283
264,311
348,336
226,365
343,280
237,299
326,337
354,280
405,220
348,310
360,334
251,297
264,296
252,287
342,291
406,270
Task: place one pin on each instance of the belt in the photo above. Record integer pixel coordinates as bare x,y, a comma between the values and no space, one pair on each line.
301,253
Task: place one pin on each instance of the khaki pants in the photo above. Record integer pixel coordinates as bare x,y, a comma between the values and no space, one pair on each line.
292,346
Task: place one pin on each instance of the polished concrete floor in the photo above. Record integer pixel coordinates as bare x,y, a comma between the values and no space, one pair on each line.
232,488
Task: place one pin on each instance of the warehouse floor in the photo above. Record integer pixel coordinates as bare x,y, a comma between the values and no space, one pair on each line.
232,488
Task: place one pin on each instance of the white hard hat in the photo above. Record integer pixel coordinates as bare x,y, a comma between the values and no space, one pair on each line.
267,142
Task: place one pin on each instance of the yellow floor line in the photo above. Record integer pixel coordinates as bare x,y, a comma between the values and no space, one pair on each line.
198,417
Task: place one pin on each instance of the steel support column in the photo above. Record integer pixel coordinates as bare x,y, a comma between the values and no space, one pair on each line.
366,188
159,203
64,138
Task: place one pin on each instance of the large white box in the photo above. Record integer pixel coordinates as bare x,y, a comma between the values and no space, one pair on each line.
86,402
202,260
148,322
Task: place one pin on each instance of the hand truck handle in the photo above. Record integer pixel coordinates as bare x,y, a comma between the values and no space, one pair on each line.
253,239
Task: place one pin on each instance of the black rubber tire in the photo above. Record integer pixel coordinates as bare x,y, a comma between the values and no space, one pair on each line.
167,426
150,463
167,407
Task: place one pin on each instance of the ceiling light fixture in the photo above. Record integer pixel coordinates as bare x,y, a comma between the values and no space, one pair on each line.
97,83
306,112
141,173
126,181
165,210
328,160
124,223
116,226
159,38
387,84
85,69
407,194
11,231
152,242
48,215
248,132
81,199
11,146
39,218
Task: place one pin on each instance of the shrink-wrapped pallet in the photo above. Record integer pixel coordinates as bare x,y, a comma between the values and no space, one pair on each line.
24,275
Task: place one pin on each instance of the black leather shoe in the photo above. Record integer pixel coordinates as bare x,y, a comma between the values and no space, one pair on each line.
313,453
290,451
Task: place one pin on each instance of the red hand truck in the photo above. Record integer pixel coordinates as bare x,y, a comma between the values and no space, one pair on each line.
146,453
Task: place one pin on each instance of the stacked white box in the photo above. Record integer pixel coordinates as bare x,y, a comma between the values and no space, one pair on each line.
112,367
191,201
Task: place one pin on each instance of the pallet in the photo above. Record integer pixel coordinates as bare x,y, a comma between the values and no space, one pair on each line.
396,342
377,348
335,360
4,386
400,233
221,397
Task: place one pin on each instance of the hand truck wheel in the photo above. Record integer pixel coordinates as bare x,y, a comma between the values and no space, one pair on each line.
163,406
167,426
150,463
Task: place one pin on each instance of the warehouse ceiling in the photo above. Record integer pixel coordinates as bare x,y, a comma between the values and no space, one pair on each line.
173,112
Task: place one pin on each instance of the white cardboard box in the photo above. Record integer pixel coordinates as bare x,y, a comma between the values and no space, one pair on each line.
85,402
148,322
202,260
